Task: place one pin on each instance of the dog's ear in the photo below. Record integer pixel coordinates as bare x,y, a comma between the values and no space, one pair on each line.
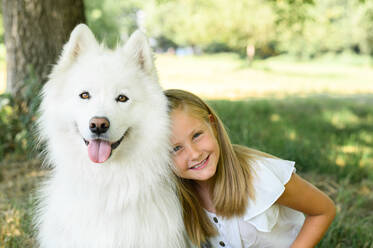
139,49
81,40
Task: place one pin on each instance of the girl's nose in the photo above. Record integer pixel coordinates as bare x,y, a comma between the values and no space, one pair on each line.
194,152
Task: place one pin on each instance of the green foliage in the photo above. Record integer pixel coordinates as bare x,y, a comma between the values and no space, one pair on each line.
305,28
17,118
2,54
302,28
325,26
206,22
310,28
364,36
112,20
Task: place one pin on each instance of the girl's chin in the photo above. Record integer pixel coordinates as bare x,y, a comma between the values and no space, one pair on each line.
206,175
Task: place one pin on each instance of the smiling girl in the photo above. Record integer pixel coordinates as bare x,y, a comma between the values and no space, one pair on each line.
234,196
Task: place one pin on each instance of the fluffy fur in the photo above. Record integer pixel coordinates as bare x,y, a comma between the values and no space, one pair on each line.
129,200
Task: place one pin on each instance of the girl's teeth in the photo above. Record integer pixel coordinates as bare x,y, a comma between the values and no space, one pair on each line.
199,165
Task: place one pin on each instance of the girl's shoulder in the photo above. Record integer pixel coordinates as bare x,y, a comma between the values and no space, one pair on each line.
270,175
265,170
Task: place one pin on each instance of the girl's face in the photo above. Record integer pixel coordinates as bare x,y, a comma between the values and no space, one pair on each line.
195,148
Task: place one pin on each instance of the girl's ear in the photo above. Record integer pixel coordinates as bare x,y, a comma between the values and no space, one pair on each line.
213,125
211,119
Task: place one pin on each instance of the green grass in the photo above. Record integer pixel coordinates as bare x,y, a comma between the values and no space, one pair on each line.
18,182
324,135
226,76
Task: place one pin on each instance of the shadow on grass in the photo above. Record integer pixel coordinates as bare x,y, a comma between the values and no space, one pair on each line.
322,134
331,140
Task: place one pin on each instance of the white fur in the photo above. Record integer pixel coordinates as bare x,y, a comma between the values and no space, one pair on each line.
130,200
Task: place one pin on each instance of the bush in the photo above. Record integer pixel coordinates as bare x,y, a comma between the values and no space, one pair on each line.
17,119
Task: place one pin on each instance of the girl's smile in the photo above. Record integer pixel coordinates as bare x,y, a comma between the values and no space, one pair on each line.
195,148
200,165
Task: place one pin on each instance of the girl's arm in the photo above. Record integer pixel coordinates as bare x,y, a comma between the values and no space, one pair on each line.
319,209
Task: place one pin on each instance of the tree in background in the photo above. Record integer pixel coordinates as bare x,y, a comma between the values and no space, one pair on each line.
303,28
308,28
35,31
206,23
112,20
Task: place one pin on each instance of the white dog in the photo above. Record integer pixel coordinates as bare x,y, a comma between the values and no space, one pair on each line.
105,124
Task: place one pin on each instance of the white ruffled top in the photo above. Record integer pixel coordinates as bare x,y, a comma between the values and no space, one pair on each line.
264,224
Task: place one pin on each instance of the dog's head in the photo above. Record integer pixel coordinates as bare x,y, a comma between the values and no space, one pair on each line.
96,98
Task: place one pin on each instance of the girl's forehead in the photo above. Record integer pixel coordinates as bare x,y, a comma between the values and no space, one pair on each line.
184,124
185,118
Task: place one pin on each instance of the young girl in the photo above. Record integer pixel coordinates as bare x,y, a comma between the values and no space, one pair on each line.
233,196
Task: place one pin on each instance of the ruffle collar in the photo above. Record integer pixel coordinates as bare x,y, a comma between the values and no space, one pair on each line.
270,176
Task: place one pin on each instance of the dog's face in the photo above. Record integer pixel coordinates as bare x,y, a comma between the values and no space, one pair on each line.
99,96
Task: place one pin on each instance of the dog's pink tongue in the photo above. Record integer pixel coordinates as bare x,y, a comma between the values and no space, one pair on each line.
99,150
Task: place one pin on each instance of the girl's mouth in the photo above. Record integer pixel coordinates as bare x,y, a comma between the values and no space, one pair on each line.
201,165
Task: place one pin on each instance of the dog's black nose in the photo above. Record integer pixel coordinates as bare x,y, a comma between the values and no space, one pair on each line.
99,125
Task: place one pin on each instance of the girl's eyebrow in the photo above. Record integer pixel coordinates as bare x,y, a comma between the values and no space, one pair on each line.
175,144
194,130
197,129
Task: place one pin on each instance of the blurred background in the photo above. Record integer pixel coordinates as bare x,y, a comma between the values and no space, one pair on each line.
290,77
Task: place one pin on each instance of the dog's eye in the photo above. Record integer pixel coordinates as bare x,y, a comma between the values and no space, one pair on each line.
122,98
85,95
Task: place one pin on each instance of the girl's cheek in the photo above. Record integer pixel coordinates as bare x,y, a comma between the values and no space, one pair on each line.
176,168
178,162
177,172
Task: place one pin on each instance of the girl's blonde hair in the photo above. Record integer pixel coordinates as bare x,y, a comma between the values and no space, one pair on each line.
232,182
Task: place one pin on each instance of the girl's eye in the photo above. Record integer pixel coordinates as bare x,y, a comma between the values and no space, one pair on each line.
196,135
85,95
122,98
176,149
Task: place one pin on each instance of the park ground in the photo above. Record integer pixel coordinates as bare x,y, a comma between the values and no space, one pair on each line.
317,113
227,76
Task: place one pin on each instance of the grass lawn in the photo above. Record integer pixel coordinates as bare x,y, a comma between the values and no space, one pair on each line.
226,76
277,106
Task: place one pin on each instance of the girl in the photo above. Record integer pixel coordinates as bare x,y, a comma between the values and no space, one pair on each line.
233,196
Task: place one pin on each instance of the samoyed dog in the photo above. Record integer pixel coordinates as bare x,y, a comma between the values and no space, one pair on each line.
105,124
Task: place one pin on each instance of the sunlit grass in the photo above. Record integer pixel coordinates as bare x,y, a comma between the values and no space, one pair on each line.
226,76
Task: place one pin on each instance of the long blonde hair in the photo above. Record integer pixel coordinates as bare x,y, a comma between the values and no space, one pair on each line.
232,182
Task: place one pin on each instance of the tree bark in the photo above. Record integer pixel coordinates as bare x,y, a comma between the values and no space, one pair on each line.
34,32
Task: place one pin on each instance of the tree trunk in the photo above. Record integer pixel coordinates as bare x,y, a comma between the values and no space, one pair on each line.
35,31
